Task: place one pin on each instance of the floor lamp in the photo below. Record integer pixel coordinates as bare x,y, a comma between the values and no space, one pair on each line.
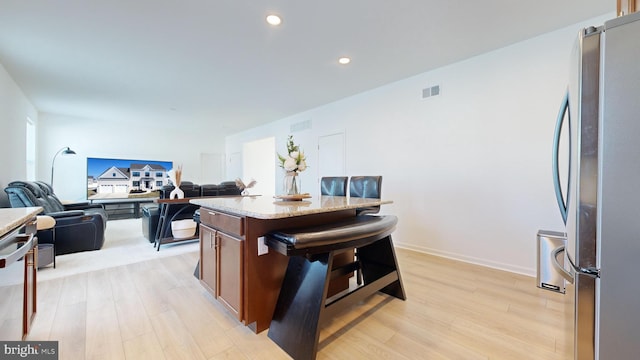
63,151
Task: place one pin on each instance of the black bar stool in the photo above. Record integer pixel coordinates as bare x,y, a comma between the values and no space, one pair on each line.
302,304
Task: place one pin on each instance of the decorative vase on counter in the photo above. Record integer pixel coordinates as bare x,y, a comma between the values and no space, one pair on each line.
291,183
176,193
175,176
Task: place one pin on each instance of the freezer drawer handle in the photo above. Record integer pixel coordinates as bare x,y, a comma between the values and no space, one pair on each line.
559,268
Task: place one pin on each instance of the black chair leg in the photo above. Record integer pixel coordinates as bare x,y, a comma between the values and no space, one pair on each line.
358,268
295,326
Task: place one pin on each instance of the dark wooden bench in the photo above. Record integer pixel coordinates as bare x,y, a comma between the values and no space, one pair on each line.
303,305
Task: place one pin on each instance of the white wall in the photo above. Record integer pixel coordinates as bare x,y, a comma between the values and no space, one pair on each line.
183,145
469,171
14,110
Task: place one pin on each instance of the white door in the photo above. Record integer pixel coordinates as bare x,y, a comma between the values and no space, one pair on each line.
212,168
331,156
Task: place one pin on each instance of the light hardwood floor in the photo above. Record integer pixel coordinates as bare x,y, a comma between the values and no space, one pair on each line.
157,310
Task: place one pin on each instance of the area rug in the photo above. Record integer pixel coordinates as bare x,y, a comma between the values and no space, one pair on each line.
124,244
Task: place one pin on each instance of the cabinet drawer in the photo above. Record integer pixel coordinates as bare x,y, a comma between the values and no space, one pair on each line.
224,222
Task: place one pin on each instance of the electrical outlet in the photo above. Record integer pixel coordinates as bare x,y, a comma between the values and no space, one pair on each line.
262,247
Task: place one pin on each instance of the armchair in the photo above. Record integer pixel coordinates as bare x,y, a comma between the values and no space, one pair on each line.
75,230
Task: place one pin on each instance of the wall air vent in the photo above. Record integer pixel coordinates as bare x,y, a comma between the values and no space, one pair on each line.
299,126
431,91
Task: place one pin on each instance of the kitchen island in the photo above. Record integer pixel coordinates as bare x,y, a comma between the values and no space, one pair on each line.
18,273
235,265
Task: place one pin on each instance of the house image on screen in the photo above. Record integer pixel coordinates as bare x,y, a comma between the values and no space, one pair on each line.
138,177
92,183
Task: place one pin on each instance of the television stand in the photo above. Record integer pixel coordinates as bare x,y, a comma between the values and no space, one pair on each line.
122,208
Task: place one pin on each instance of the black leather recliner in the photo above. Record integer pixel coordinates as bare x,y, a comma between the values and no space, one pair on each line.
86,206
79,226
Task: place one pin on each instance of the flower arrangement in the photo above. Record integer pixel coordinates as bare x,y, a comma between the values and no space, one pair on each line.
294,161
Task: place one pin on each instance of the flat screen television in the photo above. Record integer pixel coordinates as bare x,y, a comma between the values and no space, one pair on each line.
109,179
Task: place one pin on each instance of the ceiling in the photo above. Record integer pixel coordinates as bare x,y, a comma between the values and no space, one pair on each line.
187,61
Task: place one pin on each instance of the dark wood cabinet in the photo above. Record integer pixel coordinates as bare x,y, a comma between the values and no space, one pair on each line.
230,274
208,263
221,259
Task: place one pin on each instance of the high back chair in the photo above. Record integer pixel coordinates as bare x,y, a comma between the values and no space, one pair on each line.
333,185
366,187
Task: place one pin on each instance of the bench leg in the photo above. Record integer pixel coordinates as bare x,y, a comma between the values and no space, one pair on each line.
376,260
295,326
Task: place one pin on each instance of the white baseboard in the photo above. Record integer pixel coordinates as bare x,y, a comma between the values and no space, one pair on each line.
468,259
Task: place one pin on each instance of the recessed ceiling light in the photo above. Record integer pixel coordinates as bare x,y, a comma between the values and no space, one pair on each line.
344,60
274,20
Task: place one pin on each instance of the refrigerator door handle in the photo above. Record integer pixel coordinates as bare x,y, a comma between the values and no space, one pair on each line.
562,203
559,268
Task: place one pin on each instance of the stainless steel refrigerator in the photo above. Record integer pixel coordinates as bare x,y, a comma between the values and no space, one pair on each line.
597,256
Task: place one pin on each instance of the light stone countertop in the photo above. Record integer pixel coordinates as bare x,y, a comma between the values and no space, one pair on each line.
11,218
266,207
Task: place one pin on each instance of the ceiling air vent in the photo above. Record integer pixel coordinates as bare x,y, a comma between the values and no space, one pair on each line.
431,91
299,126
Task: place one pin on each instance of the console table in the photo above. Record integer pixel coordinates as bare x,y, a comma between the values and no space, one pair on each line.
170,209
235,264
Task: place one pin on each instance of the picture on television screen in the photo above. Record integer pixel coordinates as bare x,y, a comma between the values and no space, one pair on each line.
125,178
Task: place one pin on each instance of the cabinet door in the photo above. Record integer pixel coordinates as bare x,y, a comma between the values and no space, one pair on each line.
230,275
208,259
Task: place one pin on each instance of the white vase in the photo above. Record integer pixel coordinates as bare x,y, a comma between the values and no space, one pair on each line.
176,193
